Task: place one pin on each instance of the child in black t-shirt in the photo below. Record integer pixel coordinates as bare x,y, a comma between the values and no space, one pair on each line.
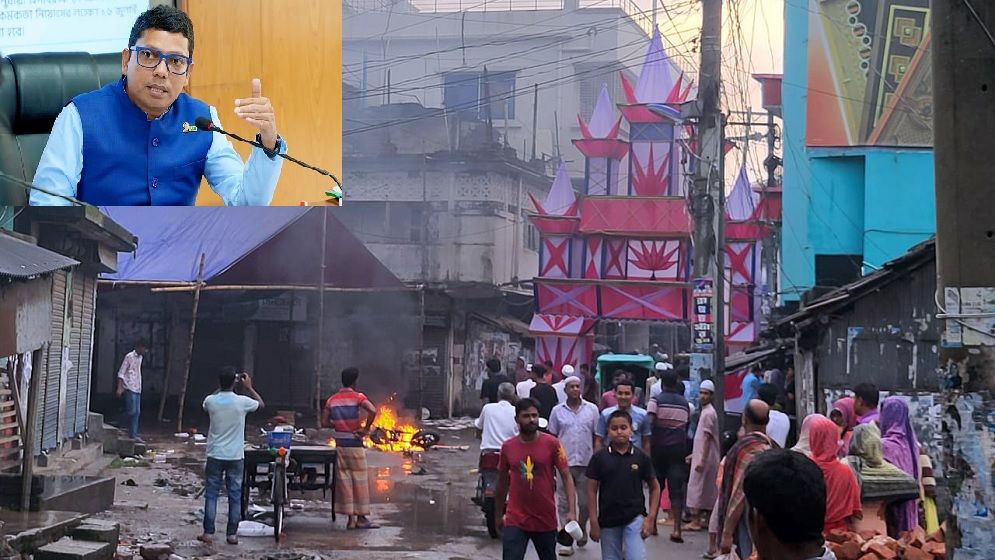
615,495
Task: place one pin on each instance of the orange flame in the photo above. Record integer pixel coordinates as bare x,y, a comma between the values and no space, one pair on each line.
398,435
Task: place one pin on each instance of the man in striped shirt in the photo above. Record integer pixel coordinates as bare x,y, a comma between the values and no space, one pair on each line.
670,414
351,415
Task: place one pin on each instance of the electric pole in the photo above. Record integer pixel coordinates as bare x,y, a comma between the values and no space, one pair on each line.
963,50
708,203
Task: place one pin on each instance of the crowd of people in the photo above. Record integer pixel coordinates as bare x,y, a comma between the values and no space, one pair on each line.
860,468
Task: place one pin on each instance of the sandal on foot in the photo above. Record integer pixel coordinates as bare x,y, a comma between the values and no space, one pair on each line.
676,539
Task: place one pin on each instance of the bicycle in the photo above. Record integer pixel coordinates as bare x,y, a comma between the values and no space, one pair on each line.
279,489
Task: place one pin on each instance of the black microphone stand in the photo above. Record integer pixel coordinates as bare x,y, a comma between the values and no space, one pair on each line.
206,125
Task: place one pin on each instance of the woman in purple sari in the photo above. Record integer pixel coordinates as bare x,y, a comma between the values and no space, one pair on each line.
898,441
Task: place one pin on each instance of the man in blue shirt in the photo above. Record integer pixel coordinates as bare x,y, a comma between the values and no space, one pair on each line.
134,143
641,428
226,448
750,385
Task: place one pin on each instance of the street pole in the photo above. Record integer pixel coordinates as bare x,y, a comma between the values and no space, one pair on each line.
319,346
963,50
707,200
193,332
771,241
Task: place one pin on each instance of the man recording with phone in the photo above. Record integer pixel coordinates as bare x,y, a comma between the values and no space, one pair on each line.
226,448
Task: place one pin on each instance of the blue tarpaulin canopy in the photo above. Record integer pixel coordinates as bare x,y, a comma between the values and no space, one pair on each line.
243,246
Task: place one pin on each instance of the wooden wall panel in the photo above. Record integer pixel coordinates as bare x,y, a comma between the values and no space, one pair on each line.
295,48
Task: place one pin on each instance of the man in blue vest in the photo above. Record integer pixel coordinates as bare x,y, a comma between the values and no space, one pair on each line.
134,143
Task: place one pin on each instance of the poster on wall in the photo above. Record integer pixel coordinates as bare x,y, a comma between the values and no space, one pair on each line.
869,73
703,339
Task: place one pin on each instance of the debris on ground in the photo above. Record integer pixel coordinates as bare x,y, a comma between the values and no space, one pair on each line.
450,424
254,529
155,551
869,545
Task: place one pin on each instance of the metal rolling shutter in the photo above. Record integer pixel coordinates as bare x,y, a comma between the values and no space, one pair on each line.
88,314
75,344
47,415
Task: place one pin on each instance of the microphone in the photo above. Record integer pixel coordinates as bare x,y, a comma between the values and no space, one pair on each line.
28,187
205,124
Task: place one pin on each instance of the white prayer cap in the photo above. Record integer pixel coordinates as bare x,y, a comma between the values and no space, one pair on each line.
567,370
663,366
707,385
664,357
571,379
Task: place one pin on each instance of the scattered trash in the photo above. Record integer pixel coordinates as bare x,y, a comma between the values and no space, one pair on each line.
181,435
199,437
431,502
129,482
254,529
160,458
450,424
420,472
161,482
296,504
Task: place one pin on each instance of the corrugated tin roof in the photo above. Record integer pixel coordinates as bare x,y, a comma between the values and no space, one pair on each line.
916,256
21,260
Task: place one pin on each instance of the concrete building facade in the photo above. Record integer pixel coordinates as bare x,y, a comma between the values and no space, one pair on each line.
435,55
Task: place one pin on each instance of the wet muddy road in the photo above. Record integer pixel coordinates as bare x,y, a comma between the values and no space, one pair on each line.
422,504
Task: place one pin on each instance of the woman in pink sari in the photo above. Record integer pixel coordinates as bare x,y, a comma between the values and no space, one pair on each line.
845,416
898,441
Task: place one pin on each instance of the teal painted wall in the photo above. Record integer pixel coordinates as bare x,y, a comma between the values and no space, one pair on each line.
875,202
900,201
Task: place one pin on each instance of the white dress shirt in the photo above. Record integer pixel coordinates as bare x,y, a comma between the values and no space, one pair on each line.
778,427
497,422
524,389
130,373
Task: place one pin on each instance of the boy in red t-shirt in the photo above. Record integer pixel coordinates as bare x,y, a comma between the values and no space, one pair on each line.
526,478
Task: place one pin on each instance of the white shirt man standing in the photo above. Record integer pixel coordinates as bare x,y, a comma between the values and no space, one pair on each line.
129,386
574,422
497,420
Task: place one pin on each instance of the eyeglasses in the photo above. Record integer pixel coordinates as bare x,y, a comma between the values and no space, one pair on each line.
152,58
